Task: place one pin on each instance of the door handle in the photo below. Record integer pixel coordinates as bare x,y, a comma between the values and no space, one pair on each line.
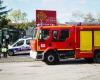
50,44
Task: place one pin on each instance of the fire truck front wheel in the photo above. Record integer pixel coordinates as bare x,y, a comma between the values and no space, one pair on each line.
51,58
97,57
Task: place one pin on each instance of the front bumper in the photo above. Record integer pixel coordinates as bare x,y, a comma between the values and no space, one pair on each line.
35,55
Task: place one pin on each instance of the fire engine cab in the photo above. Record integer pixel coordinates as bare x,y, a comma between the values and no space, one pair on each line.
52,44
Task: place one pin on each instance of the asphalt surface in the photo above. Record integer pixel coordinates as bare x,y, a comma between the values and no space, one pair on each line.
37,70
16,58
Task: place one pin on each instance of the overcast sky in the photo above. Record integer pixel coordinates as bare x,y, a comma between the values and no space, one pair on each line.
64,8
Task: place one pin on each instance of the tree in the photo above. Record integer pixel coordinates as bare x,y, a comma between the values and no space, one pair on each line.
17,16
3,20
98,17
77,16
89,18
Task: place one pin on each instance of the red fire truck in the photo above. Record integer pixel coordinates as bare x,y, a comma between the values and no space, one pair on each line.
52,44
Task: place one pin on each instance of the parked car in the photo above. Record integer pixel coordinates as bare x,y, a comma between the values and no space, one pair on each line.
19,47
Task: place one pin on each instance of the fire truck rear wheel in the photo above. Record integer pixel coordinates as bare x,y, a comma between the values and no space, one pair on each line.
97,57
10,53
51,58
89,60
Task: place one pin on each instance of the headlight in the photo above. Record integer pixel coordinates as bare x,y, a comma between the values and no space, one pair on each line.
9,46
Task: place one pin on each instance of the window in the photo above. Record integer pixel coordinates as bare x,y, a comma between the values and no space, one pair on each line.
54,35
34,33
19,43
28,41
44,34
0,33
64,34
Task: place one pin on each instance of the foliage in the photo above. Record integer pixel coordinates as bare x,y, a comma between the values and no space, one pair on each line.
89,18
17,16
98,17
22,26
77,16
84,17
3,20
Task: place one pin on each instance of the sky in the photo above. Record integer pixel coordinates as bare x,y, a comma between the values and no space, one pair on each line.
64,8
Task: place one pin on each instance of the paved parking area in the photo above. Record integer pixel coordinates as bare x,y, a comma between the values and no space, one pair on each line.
37,70
16,58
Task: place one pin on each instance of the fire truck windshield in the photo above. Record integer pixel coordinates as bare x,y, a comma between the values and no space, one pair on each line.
34,33
44,34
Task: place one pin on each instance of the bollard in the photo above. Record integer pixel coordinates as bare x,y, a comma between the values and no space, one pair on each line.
4,48
0,54
4,51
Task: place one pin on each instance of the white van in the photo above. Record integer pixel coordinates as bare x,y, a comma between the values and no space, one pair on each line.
19,47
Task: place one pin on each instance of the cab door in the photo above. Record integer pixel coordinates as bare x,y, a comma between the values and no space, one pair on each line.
44,40
64,39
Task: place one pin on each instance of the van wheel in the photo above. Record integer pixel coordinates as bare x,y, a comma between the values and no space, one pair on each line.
51,58
97,57
10,53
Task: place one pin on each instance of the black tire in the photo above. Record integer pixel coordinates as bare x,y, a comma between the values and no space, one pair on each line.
97,57
51,58
10,53
89,60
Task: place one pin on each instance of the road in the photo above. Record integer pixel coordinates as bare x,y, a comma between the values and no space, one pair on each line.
37,70
17,58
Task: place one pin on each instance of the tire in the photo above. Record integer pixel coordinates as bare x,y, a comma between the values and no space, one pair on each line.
51,58
97,57
89,60
10,53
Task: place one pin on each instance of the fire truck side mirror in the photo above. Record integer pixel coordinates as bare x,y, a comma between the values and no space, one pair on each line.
40,36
